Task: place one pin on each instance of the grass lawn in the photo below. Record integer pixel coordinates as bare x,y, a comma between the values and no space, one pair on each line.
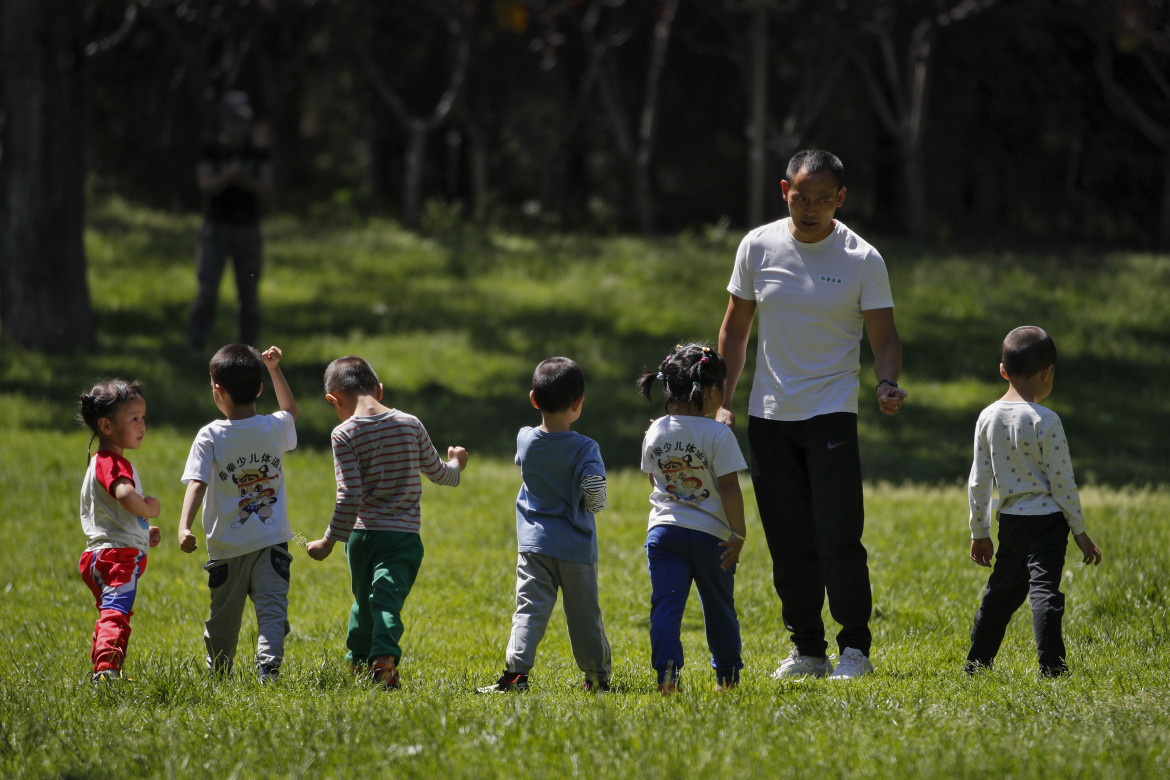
454,323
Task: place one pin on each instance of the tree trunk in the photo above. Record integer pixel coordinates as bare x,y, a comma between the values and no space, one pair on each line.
1164,212
648,127
416,151
44,297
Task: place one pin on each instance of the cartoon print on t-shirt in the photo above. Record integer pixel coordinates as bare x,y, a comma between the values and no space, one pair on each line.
256,496
681,478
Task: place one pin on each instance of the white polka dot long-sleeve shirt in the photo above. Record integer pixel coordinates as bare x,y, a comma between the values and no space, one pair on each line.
1022,453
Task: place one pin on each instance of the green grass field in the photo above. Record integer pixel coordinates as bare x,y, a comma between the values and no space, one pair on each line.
454,323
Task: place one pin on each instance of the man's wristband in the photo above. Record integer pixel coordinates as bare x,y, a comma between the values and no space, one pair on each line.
734,535
889,382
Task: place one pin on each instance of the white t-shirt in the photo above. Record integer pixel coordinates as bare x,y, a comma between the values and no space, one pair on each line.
685,455
809,298
241,463
103,518
1021,451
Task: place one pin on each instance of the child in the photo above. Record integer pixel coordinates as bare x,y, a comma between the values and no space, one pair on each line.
378,453
113,515
696,508
245,513
563,488
1020,449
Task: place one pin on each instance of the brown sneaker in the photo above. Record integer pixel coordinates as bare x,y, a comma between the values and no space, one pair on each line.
384,671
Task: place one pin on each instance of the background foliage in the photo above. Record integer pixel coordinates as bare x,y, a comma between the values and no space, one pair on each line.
1037,120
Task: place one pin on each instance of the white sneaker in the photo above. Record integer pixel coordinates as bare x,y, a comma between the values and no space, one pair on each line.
852,663
797,665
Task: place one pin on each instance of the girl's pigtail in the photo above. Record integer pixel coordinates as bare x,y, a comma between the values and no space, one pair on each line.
646,381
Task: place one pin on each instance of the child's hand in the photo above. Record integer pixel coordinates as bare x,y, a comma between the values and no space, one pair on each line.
187,541
155,536
981,551
154,509
730,556
320,549
1090,551
459,455
272,357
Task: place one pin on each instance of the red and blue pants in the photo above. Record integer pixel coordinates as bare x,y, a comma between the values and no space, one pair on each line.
112,575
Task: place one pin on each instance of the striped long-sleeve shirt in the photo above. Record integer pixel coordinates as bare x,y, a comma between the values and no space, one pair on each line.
377,461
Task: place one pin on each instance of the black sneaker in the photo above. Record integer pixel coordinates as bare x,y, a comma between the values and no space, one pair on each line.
596,686
510,681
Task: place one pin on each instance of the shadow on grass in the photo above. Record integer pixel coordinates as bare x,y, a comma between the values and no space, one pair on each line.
1115,408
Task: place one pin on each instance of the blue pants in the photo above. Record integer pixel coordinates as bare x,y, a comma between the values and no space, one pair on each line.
1029,563
677,557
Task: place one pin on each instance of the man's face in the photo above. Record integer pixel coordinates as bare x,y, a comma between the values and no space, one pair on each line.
813,199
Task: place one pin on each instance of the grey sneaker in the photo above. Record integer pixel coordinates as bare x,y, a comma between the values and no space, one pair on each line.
851,664
797,665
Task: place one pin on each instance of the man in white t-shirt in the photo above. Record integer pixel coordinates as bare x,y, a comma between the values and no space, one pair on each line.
816,286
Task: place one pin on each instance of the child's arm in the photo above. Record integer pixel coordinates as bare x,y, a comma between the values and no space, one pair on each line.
192,500
593,492
284,395
1088,549
982,550
146,507
732,497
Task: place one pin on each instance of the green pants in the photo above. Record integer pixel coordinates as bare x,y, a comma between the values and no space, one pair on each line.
382,569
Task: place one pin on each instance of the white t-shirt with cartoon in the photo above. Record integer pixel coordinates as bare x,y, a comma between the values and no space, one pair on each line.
809,299
685,455
242,464
1021,451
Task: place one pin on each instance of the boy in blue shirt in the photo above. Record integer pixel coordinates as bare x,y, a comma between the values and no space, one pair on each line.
563,487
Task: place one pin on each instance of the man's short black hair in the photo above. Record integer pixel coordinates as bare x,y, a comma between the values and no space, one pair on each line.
557,383
239,370
1027,351
351,375
815,161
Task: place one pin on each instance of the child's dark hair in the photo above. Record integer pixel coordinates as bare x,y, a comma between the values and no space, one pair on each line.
685,373
556,384
351,375
104,400
1027,351
239,370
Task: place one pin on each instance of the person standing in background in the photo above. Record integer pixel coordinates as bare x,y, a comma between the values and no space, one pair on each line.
234,176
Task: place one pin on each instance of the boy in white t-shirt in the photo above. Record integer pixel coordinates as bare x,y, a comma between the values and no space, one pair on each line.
245,514
1021,451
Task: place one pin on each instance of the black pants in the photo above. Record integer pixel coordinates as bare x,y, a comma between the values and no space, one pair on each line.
807,479
1029,562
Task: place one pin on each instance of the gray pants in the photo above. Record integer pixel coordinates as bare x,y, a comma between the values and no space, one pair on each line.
538,577
263,577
